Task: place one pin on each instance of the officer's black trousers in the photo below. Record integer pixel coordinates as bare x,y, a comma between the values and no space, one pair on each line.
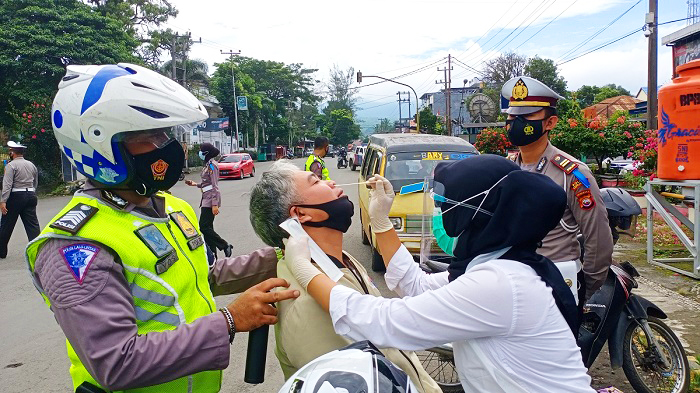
206,225
19,204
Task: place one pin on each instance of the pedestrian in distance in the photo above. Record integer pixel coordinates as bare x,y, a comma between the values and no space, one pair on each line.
123,266
315,161
211,199
532,114
18,197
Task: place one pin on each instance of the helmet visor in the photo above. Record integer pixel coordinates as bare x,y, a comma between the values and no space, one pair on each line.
155,138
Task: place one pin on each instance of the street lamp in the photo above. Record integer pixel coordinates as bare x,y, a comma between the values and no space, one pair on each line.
359,80
235,99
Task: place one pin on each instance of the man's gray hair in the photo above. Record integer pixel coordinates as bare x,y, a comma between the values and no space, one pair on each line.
270,201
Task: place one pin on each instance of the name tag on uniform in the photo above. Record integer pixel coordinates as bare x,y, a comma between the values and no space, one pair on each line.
159,246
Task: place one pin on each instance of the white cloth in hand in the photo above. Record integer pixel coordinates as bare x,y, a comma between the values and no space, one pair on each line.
298,257
381,198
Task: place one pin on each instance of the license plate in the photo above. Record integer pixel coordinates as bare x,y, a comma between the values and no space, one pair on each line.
224,172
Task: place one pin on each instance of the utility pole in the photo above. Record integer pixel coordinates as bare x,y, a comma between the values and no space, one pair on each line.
652,19
173,57
235,99
401,101
448,96
400,117
184,57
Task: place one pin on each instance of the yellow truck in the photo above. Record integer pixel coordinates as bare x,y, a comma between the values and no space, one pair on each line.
405,159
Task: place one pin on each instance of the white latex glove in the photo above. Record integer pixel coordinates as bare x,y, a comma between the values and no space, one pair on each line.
380,200
298,257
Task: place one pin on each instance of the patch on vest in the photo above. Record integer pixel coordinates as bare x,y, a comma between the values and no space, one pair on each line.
75,218
78,257
164,264
195,243
184,224
114,199
154,240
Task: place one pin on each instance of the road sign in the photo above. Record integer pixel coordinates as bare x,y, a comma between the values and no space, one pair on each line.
242,103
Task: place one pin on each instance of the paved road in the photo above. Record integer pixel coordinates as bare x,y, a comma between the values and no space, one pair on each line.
32,349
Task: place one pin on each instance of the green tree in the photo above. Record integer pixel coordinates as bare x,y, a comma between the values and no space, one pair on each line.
39,37
384,125
194,71
545,71
609,91
506,66
281,98
141,19
430,123
338,91
341,127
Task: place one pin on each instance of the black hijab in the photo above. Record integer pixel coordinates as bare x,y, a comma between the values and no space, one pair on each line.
210,151
525,206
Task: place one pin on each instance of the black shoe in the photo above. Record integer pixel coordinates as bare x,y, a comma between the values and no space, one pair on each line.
228,250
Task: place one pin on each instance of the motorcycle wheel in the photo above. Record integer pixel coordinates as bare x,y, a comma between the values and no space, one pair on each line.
644,372
441,367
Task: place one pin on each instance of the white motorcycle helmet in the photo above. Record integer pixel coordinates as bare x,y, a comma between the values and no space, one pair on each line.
357,368
98,106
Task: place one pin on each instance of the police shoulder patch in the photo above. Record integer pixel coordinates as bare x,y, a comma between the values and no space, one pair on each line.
79,257
585,199
75,218
564,163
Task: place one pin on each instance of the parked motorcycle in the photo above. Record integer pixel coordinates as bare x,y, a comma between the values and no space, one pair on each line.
342,159
648,351
290,155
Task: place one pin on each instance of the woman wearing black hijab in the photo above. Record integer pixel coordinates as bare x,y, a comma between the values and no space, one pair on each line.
506,310
211,199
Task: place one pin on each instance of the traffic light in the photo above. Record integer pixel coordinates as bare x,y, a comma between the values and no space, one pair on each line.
359,76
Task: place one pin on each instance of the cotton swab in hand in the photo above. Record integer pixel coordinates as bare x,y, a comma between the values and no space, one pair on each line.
352,184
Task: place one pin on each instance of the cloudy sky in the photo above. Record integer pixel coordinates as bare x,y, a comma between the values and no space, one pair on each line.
393,37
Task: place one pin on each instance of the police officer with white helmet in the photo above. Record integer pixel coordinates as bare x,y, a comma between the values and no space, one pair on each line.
123,266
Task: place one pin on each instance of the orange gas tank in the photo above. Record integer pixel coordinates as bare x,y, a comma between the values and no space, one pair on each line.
679,125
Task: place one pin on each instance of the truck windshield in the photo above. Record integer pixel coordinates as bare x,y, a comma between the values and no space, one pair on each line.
408,168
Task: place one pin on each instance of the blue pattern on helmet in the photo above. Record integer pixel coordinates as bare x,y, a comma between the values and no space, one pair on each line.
99,168
57,119
98,82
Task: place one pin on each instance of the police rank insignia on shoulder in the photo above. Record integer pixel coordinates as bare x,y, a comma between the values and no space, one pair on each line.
75,218
113,199
541,164
564,164
161,248
585,199
575,185
78,257
194,240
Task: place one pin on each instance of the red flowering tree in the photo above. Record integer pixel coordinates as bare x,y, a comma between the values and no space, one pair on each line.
597,138
493,141
33,129
645,154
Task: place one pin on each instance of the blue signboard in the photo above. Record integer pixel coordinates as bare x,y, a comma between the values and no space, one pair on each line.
242,103
213,125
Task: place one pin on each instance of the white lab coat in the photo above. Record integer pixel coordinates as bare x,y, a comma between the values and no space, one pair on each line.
506,330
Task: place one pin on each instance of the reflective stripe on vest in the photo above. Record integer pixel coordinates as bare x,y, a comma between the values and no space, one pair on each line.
325,174
177,296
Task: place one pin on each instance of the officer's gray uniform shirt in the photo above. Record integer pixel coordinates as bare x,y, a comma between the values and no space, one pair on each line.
19,173
560,244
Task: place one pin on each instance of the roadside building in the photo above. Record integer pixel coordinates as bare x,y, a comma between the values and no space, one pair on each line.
685,44
607,107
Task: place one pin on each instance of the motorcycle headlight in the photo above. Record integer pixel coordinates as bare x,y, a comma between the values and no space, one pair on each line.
396,222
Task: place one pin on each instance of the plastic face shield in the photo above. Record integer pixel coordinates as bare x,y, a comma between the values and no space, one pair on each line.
435,246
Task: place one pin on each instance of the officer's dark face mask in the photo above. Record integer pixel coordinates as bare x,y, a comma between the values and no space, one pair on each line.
340,212
522,132
157,170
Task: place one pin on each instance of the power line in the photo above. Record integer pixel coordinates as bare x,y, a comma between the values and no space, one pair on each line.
485,33
377,106
587,40
601,46
545,26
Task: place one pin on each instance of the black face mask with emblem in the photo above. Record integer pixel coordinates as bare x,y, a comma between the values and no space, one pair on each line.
522,132
157,170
